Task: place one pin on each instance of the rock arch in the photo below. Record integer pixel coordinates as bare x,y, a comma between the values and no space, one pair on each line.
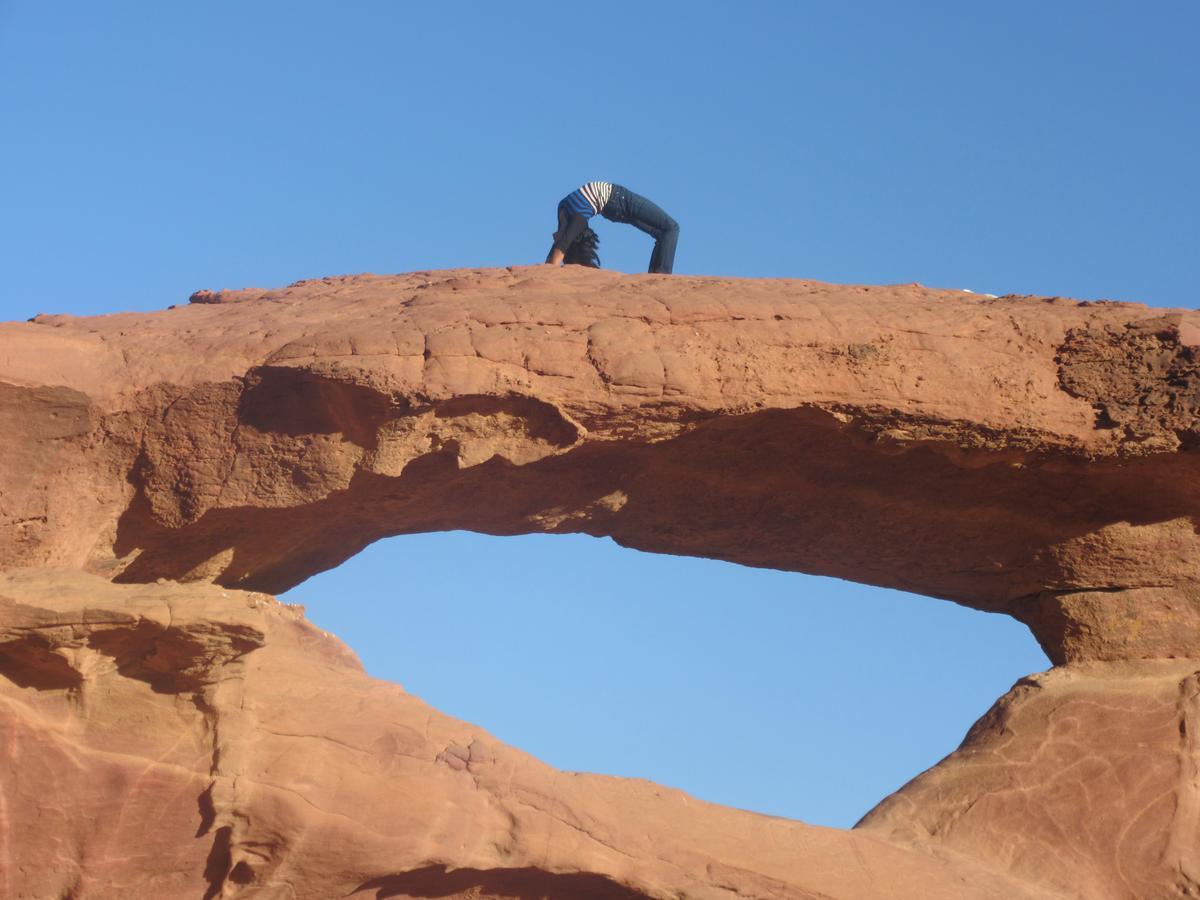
1033,456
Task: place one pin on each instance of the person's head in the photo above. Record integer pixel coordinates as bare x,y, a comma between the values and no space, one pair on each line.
583,251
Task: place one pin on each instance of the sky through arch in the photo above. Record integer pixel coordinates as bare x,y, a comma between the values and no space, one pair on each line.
784,693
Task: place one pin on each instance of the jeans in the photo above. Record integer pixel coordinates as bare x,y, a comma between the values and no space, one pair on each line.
626,206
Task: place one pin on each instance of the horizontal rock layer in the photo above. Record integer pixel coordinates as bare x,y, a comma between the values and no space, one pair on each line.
1007,453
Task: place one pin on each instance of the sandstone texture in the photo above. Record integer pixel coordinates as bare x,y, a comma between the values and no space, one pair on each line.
159,471
253,757
1097,762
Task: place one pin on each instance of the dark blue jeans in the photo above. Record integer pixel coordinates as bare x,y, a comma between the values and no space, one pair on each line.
634,209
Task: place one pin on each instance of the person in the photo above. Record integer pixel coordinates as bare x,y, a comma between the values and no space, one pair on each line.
617,204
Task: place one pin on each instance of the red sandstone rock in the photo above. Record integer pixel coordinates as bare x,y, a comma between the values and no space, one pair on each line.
996,452
1083,779
175,741
1028,455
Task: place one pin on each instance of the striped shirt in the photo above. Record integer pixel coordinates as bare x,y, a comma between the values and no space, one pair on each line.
589,200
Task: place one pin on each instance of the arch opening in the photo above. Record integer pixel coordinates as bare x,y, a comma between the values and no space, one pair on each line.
793,695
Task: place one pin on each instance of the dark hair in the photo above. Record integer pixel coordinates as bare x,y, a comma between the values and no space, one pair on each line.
583,251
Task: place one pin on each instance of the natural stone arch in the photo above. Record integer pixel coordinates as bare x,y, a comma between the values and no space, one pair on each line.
1022,455
1025,455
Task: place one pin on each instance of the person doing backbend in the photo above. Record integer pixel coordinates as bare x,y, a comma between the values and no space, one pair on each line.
574,241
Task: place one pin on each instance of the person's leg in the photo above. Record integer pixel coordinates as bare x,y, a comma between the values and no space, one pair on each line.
647,216
662,260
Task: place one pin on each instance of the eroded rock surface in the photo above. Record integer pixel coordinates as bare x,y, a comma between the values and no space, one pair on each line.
1083,778
1034,456
996,452
186,741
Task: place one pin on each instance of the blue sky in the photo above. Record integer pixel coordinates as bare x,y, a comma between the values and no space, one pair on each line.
151,149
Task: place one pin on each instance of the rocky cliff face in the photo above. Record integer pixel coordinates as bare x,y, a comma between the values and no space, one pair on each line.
1034,456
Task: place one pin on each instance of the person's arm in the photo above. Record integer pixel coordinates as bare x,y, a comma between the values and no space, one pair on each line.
565,238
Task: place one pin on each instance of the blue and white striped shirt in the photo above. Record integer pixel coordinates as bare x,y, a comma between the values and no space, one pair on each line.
589,200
